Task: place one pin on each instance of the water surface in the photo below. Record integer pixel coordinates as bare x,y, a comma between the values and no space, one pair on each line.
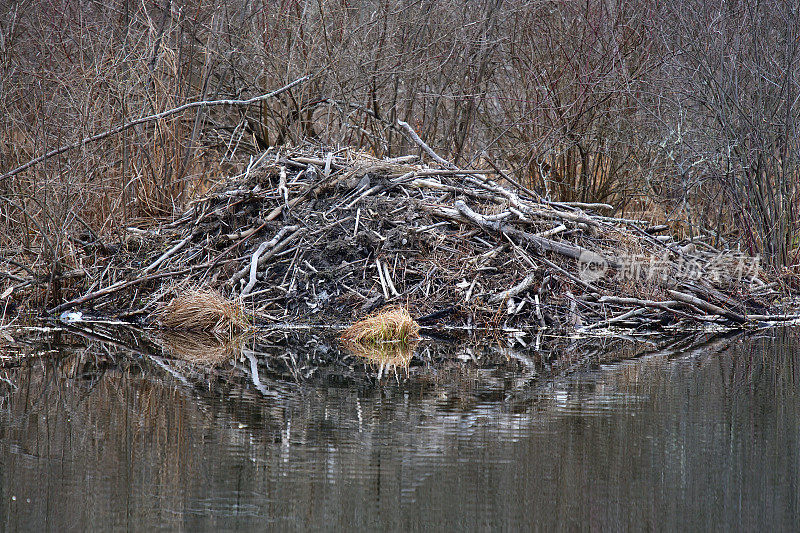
102,431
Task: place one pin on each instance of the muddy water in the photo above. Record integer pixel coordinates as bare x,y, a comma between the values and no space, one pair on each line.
106,431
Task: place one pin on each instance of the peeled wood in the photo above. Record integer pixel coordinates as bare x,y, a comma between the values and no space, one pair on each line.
275,244
568,250
517,289
707,306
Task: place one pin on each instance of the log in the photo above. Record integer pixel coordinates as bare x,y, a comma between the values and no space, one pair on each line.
707,306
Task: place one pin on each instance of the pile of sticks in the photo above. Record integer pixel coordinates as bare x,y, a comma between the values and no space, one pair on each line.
326,236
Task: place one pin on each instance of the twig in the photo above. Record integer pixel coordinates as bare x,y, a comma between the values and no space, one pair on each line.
428,150
166,255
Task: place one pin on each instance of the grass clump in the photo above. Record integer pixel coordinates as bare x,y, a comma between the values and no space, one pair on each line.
393,324
202,310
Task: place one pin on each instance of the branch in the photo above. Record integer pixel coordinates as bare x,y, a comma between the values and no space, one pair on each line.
414,137
707,306
150,118
521,287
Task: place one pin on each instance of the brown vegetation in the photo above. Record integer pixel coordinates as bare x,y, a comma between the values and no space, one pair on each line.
392,324
202,310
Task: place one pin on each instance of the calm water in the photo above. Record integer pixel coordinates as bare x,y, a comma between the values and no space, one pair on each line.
107,431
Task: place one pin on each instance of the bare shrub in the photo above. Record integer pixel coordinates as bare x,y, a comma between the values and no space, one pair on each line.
729,118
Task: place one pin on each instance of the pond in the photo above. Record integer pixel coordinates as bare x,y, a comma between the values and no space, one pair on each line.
100,429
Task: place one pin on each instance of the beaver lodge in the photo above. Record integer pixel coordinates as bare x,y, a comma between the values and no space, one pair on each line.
314,236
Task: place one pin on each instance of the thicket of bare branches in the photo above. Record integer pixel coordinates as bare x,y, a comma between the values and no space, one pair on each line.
728,111
685,111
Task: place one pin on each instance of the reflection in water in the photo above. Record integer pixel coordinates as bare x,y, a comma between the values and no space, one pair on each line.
292,433
199,347
385,356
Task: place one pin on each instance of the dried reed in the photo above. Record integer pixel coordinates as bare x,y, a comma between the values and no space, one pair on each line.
202,310
389,324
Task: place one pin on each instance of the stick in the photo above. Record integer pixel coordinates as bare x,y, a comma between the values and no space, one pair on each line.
389,279
166,255
707,306
551,232
582,205
366,193
567,250
277,246
254,268
282,189
773,318
663,305
428,149
519,288
150,118
624,316
358,216
380,277
538,303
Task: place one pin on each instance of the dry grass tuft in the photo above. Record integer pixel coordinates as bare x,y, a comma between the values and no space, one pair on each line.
202,310
391,324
